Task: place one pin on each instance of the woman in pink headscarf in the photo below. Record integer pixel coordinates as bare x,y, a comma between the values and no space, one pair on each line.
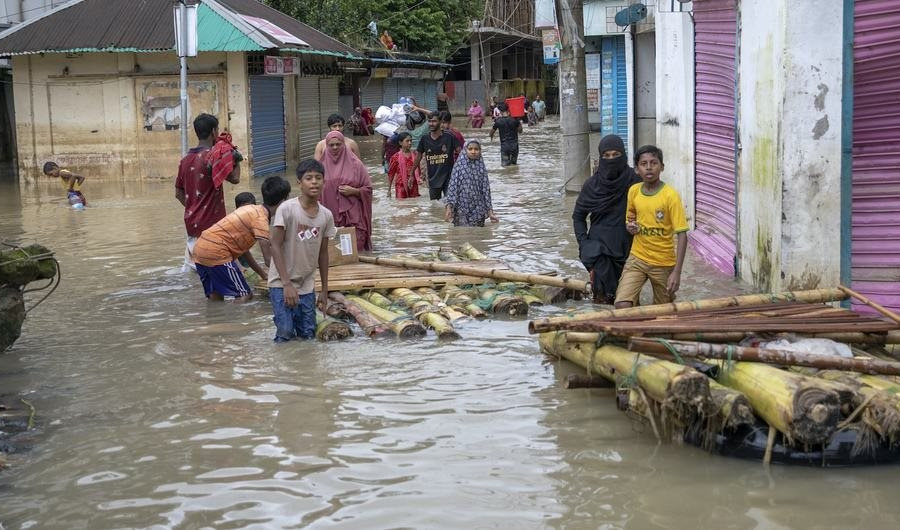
348,189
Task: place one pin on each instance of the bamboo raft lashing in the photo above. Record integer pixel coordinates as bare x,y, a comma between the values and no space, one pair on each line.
405,326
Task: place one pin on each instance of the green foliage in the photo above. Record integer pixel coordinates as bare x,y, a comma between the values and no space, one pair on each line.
433,27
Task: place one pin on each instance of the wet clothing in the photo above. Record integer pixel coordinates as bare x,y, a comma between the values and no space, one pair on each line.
204,202
636,273
302,242
469,192
233,236
540,108
476,115
403,172
293,322
509,140
222,158
660,216
345,169
226,280
73,195
604,196
438,156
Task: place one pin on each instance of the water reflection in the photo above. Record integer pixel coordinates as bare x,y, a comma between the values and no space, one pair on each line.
156,409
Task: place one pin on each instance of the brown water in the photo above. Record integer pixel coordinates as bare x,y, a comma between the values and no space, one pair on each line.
156,409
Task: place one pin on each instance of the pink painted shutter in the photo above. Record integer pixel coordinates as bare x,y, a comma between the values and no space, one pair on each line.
715,35
876,151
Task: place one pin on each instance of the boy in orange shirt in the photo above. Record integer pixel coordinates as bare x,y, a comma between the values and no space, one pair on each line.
655,216
219,246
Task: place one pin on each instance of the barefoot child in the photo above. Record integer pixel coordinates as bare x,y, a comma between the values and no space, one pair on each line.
468,197
218,247
401,170
655,216
70,181
300,233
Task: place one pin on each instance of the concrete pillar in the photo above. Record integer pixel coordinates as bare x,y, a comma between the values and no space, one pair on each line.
475,59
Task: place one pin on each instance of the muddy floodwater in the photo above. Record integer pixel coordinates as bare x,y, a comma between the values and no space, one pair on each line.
156,409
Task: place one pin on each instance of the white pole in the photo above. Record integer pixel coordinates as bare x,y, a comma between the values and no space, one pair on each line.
183,37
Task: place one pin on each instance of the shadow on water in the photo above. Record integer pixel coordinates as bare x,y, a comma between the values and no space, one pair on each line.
156,409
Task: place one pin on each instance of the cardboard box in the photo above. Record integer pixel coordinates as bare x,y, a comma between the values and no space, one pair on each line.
342,247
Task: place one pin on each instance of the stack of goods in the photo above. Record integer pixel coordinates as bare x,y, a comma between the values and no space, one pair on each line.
778,377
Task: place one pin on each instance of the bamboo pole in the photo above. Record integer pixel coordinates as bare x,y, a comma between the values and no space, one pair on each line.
502,302
814,296
369,324
891,337
432,297
403,325
764,355
586,381
457,297
874,305
426,313
801,409
329,329
475,270
471,253
881,415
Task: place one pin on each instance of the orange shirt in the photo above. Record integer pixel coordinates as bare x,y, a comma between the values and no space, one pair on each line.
231,237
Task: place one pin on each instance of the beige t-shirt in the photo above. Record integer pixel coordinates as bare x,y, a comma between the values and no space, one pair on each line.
302,240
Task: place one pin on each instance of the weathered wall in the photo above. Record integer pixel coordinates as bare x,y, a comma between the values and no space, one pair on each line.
789,163
811,147
675,102
644,89
90,112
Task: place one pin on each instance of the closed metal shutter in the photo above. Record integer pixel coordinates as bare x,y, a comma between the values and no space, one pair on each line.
431,92
715,37
613,88
267,143
391,93
417,88
328,103
308,115
875,241
371,92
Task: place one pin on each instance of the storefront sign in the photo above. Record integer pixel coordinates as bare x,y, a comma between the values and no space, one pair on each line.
281,65
592,71
552,47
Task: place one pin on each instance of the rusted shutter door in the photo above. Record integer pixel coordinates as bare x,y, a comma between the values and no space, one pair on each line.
715,36
876,152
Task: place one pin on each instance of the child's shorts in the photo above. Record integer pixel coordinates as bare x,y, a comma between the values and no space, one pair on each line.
225,280
298,321
635,274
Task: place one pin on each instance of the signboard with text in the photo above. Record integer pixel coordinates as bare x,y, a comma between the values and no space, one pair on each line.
552,47
281,65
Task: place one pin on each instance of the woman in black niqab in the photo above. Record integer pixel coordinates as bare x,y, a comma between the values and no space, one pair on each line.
604,247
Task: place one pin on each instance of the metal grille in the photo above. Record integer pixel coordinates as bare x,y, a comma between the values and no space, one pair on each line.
715,36
308,114
876,152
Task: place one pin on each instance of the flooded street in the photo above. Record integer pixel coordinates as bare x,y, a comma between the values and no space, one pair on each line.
156,409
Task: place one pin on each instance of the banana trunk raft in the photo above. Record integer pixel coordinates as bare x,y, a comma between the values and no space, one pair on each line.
804,400
414,298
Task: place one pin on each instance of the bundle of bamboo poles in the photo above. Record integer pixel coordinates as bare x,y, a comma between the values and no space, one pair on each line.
809,398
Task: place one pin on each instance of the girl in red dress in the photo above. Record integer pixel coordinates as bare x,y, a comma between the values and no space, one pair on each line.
401,170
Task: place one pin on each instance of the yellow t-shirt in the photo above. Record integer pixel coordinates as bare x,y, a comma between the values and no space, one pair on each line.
64,176
660,217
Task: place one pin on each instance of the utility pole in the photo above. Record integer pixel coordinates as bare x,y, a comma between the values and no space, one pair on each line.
573,116
185,45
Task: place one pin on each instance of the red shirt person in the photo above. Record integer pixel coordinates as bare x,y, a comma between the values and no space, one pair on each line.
202,197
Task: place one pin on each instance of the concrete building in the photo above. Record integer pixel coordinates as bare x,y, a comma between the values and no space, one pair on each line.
504,58
96,85
782,143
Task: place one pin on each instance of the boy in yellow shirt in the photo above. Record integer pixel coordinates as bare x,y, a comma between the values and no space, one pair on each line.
70,181
655,216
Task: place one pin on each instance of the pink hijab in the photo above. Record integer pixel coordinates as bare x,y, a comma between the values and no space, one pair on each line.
345,169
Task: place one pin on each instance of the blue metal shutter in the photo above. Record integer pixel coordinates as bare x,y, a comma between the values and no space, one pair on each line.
418,92
613,88
267,143
431,91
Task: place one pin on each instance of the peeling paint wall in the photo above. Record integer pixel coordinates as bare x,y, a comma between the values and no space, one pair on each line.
675,102
789,162
90,111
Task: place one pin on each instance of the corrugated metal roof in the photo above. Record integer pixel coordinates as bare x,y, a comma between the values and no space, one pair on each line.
146,25
315,38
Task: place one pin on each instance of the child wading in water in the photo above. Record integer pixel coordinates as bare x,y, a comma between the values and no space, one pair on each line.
655,216
300,233
468,196
401,170
70,181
